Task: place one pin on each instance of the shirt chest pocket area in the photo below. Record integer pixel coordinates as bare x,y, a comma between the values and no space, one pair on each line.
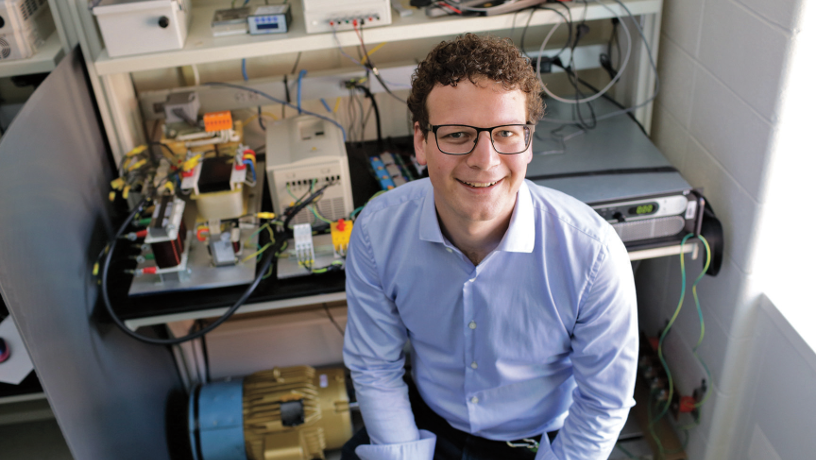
530,334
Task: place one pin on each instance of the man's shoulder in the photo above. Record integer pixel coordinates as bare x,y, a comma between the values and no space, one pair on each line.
569,213
407,198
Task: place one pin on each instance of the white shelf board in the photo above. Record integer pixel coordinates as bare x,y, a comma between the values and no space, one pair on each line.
664,251
134,324
45,60
201,47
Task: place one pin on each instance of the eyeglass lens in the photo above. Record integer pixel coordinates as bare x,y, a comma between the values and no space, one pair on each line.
459,140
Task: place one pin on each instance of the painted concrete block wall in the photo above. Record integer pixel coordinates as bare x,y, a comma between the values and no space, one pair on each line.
779,410
722,69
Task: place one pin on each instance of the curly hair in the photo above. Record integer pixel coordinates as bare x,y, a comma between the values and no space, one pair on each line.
473,57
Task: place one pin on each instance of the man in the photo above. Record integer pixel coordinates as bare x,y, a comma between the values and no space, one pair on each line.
518,301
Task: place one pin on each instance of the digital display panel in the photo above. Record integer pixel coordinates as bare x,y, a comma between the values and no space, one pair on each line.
643,209
271,25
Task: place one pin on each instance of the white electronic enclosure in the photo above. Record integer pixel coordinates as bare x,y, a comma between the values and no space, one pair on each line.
327,15
24,27
304,153
143,26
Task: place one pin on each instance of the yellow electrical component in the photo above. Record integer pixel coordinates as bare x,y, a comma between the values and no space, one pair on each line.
112,196
341,234
117,184
138,164
136,150
265,215
191,163
126,192
217,121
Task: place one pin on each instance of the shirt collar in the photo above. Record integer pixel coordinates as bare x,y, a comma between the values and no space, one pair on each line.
520,234
428,223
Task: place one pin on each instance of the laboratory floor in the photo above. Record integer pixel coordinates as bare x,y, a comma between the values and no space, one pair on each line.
42,440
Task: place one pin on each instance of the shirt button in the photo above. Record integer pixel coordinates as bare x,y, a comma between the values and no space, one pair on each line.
474,365
472,325
449,249
474,400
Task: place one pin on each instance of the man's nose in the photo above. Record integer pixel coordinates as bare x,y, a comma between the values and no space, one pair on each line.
483,156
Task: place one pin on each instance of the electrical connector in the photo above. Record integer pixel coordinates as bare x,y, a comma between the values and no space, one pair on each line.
341,234
136,150
217,121
304,245
143,271
133,236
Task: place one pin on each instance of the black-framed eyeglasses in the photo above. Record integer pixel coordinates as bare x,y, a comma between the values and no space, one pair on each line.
462,139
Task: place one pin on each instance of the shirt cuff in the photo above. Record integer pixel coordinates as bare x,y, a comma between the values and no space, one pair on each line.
422,449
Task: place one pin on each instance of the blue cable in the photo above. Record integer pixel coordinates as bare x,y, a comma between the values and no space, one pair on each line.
243,69
300,83
326,105
252,167
278,101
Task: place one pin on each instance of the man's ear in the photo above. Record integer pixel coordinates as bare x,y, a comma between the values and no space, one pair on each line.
420,141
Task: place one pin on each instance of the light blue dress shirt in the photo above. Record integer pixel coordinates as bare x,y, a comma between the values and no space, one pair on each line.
541,335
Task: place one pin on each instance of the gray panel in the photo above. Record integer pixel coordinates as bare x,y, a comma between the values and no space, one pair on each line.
615,144
107,390
598,189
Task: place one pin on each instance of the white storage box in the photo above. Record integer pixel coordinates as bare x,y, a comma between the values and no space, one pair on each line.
143,26
24,26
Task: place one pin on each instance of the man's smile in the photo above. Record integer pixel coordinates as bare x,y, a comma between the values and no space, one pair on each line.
479,184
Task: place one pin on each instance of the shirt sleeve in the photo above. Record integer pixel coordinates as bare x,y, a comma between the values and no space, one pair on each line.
373,351
604,357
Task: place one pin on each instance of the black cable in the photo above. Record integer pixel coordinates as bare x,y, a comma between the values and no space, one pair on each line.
260,119
288,96
376,113
572,76
331,318
297,61
608,98
606,58
204,352
374,70
526,26
269,257
162,144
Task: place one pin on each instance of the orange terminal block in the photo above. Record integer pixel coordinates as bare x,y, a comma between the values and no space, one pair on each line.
217,121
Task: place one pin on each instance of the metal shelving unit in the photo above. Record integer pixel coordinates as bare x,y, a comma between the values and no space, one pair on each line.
201,47
111,77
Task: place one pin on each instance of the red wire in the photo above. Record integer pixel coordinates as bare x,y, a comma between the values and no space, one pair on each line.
457,11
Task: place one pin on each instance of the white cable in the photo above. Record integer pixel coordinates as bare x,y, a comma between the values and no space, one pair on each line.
654,69
605,88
